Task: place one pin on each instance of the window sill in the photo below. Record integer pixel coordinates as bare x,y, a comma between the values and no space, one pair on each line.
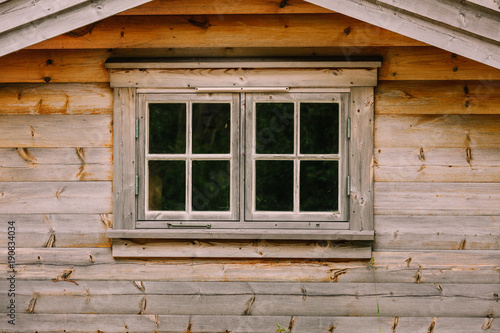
243,243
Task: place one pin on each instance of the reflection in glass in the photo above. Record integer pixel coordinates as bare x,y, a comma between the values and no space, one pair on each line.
319,126
167,185
211,185
274,185
274,128
211,128
167,128
319,186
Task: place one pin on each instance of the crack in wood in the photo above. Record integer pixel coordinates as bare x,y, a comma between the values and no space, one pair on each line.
189,327
408,261
418,276
140,286
32,130
438,286
488,322
331,329
106,220
26,155
31,306
304,293
337,274
421,155
52,239
290,325
80,152
431,327
65,276
59,192
91,258
468,155
462,244
249,304
395,324
143,305
284,3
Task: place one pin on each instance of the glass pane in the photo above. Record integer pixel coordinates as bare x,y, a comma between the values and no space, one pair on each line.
211,128
167,128
319,186
274,128
167,185
274,185
211,185
319,128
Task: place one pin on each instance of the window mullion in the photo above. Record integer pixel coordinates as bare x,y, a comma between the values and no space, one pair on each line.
189,167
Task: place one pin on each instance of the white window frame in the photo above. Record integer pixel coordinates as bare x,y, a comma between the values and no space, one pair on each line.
132,79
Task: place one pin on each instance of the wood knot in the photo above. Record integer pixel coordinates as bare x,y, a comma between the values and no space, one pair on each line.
205,24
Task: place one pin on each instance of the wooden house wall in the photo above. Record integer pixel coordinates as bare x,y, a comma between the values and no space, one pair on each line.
436,264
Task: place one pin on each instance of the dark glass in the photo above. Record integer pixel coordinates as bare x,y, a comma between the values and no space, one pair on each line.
319,186
167,128
274,128
167,185
211,128
319,128
211,185
274,185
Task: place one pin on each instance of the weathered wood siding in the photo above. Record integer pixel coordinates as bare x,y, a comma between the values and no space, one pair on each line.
436,264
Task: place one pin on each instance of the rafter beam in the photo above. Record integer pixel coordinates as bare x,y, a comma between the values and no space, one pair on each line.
42,26
419,27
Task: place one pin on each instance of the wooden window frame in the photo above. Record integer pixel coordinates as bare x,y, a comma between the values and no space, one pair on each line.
132,78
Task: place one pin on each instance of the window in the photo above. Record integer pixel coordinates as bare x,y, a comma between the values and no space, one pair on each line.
208,150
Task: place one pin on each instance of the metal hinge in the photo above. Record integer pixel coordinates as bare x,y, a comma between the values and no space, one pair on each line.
137,128
348,128
348,185
136,184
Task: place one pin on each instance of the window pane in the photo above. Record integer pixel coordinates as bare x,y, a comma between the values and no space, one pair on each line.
319,184
319,128
211,128
274,128
274,185
167,185
211,185
167,128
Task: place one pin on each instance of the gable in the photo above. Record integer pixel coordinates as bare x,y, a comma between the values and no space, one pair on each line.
467,28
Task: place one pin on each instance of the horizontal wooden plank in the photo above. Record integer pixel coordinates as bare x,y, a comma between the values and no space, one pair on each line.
55,164
178,78
437,131
258,298
195,248
417,198
468,267
58,230
408,63
437,165
55,197
225,7
437,97
404,233
56,131
114,323
303,30
23,99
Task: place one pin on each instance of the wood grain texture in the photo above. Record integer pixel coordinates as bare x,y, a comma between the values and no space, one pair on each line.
24,99
69,230
225,7
437,131
256,298
414,198
303,30
50,131
437,165
55,197
55,164
241,249
437,233
114,323
240,77
399,63
458,267
437,97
